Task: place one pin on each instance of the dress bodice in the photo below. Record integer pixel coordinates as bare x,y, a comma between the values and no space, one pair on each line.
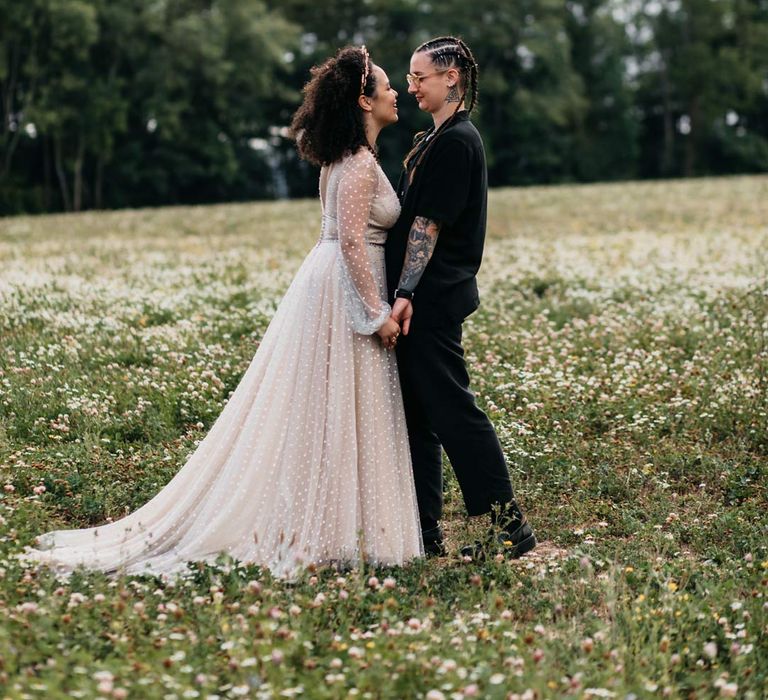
384,204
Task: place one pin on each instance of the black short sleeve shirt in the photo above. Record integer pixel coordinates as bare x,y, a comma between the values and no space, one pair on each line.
450,186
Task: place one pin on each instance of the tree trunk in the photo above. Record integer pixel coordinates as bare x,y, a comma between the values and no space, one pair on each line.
690,141
60,174
77,177
9,94
98,182
10,148
46,174
668,152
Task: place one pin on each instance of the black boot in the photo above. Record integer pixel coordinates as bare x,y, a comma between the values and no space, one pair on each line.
433,541
509,535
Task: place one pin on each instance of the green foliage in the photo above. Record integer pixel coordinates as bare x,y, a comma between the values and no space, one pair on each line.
133,102
703,93
130,102
606,139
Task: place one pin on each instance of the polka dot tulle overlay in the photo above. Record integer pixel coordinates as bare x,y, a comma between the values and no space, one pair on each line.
308,461
359,205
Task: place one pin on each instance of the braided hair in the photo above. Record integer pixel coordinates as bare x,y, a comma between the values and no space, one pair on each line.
329,123
445,52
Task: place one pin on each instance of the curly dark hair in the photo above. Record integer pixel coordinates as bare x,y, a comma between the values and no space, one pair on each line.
329,123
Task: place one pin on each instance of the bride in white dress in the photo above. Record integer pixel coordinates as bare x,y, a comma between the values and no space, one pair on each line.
309,460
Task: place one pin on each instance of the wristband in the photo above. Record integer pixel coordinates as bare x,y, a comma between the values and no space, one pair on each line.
403,294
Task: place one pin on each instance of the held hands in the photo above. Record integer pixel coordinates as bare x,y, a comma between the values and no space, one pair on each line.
402,311
388,333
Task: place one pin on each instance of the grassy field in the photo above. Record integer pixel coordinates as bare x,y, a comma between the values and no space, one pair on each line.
621,350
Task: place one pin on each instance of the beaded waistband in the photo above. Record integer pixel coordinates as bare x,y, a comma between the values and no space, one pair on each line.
330,238
323,237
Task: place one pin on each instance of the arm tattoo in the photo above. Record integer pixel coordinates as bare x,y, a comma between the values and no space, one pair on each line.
421,244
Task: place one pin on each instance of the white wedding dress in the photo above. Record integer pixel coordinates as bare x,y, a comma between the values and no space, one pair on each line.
308,461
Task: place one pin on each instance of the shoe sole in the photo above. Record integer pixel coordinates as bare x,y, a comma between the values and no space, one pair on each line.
435,551
511,552
522,547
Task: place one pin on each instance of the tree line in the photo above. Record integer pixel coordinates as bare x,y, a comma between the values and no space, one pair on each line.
116,103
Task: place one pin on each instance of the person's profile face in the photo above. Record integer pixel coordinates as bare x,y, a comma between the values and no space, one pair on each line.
384,99
427,82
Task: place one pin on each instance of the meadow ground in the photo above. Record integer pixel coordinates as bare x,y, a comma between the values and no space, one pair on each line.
621,349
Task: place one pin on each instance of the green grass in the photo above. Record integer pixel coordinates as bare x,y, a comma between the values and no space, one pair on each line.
621,350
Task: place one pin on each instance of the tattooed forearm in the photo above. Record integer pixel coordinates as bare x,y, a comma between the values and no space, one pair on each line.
421,244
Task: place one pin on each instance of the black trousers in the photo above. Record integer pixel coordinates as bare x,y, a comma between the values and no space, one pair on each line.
440,411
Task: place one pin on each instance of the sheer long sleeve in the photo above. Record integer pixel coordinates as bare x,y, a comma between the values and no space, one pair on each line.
366,310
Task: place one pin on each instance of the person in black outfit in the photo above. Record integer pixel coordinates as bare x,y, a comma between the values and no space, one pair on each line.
433,254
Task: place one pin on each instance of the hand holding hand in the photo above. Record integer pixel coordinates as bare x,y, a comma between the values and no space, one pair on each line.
388,333
402,311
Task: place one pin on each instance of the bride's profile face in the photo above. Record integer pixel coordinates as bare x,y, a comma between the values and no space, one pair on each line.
384,100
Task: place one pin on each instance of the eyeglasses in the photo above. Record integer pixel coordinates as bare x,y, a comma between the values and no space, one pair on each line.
412,79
